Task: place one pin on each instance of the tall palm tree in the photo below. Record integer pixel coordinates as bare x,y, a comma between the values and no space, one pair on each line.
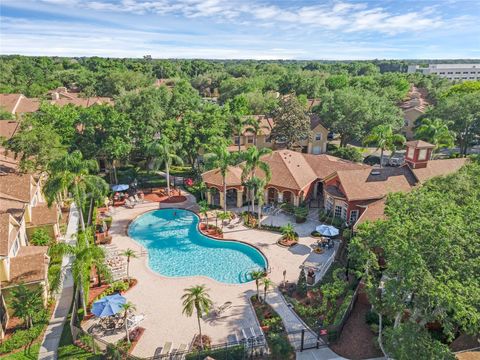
436,132
204,208
164,152
71,172
222,159
385,139
253,162
238,126
26,303
260,196
267,283
257,275
255,128
127,308
197,298
129,254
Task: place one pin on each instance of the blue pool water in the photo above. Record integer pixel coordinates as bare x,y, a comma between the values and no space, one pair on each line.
177,248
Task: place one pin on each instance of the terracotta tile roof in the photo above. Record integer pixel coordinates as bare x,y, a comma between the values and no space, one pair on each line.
17,186
420,144
83,102
16,208
8,232
18,103
290,169
375,183
233,178
8,163
44,215
233,148
324,165
375,210
439,168
30,265
8,128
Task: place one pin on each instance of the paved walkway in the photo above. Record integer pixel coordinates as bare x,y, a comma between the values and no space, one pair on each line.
294,325
51,340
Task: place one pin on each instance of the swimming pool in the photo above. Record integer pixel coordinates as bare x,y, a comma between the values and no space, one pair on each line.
177,248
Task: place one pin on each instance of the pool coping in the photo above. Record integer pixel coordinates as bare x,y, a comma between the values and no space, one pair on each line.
126,233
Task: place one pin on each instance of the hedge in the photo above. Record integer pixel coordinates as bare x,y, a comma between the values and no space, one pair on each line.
21,338
230,353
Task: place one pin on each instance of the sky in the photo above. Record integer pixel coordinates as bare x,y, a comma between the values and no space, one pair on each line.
243,29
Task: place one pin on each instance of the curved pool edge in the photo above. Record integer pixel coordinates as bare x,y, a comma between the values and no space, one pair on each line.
127,233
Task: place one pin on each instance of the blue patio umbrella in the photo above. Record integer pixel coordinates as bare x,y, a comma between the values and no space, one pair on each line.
108,306
120,187
327,230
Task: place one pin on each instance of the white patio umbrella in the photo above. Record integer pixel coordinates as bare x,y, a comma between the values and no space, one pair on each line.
327,230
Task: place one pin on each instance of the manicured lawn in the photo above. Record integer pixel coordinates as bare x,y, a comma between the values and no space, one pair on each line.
27,354
74,352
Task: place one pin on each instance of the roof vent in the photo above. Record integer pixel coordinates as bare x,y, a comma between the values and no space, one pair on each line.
375,172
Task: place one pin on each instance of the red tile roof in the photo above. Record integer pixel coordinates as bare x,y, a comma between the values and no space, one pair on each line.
8,232
30,265
8,128
439,168
420,144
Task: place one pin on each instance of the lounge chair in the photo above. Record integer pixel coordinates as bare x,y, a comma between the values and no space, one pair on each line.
129,204
218,311
137,199
179,353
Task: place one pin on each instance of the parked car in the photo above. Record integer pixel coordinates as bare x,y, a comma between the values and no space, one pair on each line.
372,160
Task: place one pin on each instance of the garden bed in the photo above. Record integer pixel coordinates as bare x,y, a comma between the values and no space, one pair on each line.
274,330
213,231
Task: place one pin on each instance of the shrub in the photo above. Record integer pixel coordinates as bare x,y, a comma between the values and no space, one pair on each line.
54,277
301,214
233,353
371,317
108,221
348,153
279,346
21,338
40,237
302,284
315,233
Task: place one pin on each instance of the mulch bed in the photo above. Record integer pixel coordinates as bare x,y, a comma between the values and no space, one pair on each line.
154,197
210,232
357,340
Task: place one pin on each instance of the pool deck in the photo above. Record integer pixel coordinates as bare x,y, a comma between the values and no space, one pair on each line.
158,297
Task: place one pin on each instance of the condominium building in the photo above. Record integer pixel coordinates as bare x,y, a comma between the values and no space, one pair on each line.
459,72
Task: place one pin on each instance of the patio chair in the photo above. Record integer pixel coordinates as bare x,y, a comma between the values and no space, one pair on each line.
129,204
218,311
137,199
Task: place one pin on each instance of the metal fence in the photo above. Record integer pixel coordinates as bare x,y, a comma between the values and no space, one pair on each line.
305,339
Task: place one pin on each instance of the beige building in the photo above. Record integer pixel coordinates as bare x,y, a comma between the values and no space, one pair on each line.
459,72
413,107
316,145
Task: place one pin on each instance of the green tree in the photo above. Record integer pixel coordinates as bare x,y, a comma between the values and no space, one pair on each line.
267,283
197,298
204,208
292,125
257,275
71,173
414,283
40,237
253,162
5,115
462,112
385,139
129,254
353,113
26,303
222,159
127,308
348,153
436,132
254,127
288,231
164,152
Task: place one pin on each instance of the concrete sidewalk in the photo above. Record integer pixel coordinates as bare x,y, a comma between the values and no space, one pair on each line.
52,336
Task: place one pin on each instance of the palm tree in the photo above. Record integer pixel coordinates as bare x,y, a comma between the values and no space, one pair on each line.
165,152
204,209
71,173
267,283
223,216
197,298
129,253
436,132
127,308
288,231
255,128
253,161
385,139
238,125
257,275
260,196
26,303
222,159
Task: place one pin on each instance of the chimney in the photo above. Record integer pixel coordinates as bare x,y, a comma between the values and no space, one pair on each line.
418,153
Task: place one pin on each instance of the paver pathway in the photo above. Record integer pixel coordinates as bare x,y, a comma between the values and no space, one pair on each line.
52,336
294,325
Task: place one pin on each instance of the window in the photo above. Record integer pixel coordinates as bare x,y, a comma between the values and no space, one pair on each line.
465,72
318,137
344,212
457,72
450,73
250,139
353,216
15,247
442,73
338,211
329,204
237,140
422,155
410,152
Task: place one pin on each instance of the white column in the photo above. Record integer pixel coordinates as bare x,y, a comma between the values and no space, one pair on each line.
209,198
221,199
239,198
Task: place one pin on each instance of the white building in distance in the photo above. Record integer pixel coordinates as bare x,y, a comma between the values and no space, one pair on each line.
457,72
